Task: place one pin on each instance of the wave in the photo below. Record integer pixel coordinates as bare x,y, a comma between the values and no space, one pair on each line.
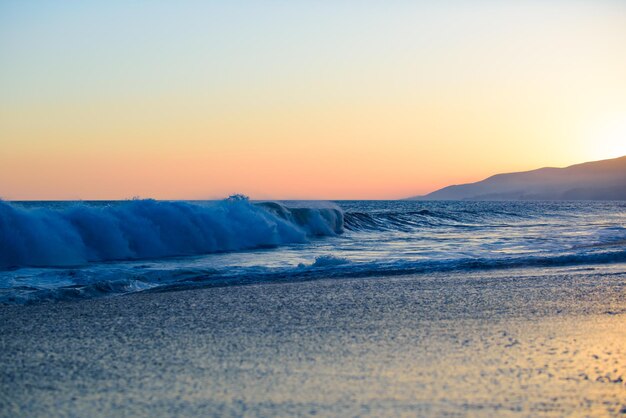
410,220
332,267
84,247
328,266
86,284
141,229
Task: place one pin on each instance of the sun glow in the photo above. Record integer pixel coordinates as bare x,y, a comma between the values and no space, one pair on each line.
609,140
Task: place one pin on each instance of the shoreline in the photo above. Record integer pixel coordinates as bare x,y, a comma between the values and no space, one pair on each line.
544,341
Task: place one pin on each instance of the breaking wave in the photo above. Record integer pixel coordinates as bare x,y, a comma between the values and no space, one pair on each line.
141,229
64,251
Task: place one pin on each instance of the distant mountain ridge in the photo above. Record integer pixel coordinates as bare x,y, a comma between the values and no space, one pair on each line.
596,180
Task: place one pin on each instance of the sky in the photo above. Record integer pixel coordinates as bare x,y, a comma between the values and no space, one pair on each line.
302,100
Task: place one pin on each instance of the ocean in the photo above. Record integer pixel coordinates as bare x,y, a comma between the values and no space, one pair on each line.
51,251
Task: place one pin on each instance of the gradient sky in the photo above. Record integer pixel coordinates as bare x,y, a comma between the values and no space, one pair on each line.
302,99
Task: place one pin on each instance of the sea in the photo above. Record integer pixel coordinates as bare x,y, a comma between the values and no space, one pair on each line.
58,251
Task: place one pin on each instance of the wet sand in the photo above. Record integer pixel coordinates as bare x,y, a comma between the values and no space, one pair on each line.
546,342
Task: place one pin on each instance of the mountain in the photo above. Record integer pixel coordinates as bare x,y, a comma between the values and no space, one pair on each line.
596,180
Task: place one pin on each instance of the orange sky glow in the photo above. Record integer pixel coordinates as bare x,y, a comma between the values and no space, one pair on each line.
308,101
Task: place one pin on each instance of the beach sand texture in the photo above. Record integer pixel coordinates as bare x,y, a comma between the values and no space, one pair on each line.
515,342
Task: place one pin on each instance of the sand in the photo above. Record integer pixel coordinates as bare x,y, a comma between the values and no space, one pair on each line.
519,342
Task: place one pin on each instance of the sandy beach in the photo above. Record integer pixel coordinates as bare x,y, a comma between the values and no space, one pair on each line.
523,343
